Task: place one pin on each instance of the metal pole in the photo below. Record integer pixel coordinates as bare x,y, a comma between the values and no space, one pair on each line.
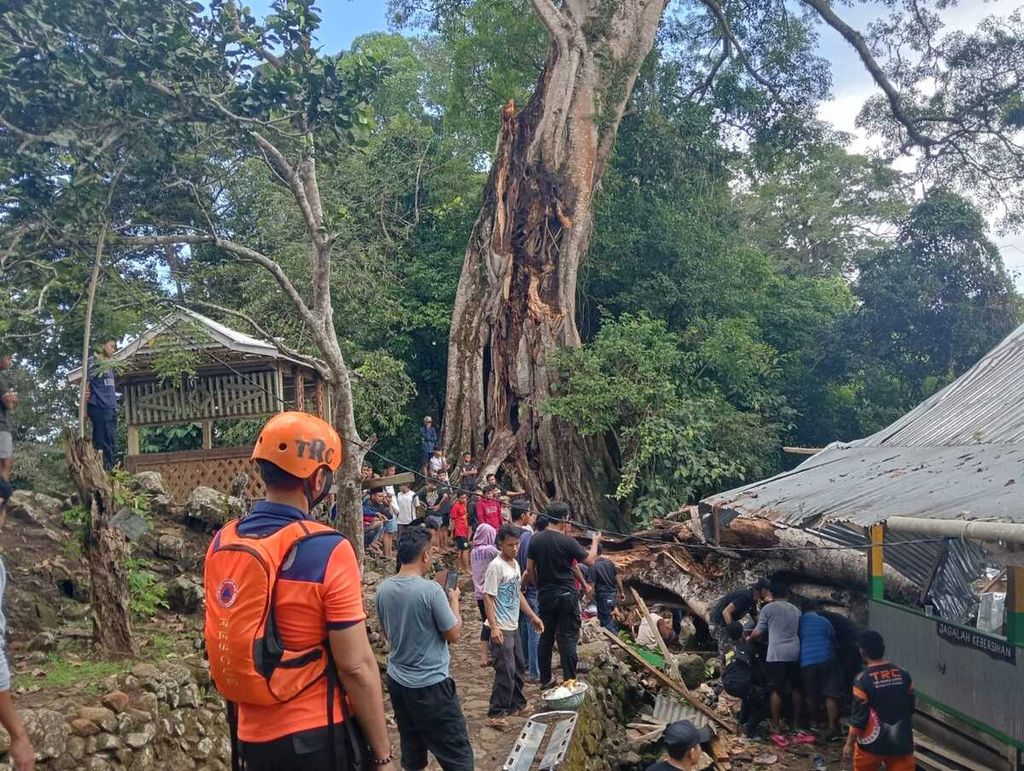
1007,532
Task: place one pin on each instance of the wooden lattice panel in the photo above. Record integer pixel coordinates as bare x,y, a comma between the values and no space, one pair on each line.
183,472
212,396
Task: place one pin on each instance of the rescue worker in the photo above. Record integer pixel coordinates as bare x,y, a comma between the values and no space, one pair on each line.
285,625
881,727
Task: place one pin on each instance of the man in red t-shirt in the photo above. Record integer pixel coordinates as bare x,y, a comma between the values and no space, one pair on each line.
460,530
488,508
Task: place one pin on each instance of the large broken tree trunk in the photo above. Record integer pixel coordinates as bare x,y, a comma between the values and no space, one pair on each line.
106,550
516,301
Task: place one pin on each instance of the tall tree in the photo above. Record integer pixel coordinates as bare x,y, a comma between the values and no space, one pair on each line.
516,302
187,94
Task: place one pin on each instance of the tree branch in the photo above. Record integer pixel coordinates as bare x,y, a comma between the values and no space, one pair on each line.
243,253
558,24
287,350
855,39
738,52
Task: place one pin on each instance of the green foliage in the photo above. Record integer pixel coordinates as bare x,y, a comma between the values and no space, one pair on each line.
673,428
174,366
382,391
148,592
63,675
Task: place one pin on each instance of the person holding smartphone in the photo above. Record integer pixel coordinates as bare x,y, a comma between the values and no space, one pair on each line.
419,619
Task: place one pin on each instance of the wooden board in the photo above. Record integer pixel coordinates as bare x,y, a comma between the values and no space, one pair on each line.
395,479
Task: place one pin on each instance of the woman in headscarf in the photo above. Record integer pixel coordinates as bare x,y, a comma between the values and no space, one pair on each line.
484,552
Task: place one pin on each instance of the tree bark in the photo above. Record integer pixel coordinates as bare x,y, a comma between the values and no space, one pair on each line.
106,550
516,300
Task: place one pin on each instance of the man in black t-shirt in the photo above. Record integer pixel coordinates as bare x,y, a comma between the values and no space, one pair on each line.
549,568
682,739
733,607
607,583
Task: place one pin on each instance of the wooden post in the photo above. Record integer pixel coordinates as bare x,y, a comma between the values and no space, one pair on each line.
1015,604
300,391
669,683
670,662
876,563
133,440
208,434
279,388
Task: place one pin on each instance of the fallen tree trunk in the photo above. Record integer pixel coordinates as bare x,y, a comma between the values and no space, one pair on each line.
106,550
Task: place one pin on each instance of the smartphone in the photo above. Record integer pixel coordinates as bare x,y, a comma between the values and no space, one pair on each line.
451,581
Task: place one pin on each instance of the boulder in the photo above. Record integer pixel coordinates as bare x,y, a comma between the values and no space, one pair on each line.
163,507
116,701
48,731
132,524
691,667
44,641
170,547
101,716
184,595
82,727
35,508
211,509
149,482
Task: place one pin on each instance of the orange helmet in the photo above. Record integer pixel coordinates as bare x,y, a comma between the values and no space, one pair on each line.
299,443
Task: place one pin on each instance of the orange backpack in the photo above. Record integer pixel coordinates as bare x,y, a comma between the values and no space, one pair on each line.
248,661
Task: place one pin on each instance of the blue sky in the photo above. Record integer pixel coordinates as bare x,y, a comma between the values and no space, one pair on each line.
343,20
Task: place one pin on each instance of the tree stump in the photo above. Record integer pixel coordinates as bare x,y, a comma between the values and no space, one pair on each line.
106,549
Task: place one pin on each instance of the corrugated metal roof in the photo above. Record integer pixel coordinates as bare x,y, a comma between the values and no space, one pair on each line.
223,335
865,485
957,455
983,406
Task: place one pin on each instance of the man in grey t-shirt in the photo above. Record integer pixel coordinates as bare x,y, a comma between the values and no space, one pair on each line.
419,622
780,620
8,401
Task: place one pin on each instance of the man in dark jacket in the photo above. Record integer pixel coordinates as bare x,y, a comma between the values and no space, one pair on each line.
102,403
881,732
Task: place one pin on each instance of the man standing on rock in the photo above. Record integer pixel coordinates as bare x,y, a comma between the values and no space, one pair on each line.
307,697
550,569
102,402
419,622
21,751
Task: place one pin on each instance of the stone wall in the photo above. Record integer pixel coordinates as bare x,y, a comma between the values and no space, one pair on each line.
158,716
613,701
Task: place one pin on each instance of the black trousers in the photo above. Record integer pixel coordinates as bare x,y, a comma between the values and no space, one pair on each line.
305,751
559,609
104,433
430,719
509,670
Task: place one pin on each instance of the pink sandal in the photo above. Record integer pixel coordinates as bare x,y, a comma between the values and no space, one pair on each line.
802,737
779,741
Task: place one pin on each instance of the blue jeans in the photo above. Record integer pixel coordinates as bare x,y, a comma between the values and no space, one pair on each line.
529,637
604,613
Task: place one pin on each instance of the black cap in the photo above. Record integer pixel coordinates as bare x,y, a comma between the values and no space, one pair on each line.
683,735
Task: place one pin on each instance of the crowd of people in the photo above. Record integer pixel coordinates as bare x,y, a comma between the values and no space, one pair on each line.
786,659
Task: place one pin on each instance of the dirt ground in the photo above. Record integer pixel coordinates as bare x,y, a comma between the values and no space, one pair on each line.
491,747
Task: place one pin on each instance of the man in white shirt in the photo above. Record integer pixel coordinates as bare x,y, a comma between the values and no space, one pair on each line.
503,602
406,502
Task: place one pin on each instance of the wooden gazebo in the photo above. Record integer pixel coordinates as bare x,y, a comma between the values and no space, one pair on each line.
232,376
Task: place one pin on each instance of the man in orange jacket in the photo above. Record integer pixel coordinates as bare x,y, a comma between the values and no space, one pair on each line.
285,624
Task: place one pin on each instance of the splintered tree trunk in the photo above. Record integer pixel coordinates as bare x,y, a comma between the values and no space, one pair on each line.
516,301
106,550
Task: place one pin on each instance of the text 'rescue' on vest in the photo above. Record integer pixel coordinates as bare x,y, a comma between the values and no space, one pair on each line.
249,663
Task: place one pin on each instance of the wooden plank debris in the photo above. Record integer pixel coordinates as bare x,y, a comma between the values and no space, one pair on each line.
670,660
668,682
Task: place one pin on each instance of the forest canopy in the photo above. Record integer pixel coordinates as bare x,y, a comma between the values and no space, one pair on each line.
751,281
